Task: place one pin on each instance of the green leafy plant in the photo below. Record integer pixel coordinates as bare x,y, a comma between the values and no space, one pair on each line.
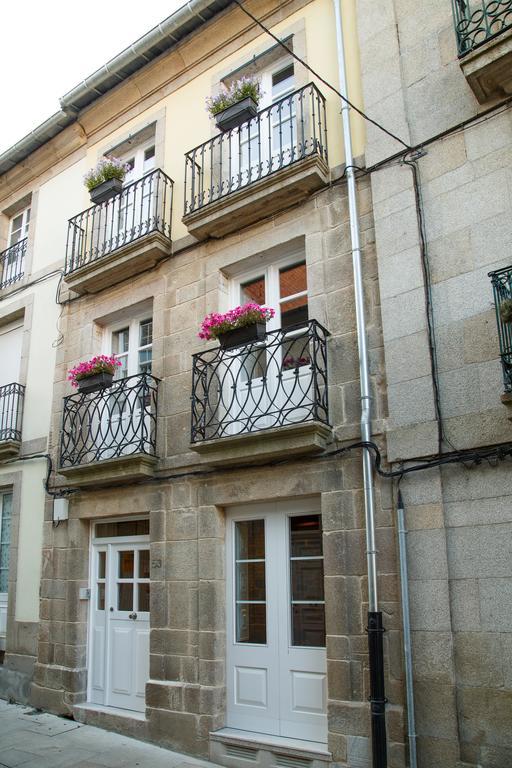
107,168
238,90
506,311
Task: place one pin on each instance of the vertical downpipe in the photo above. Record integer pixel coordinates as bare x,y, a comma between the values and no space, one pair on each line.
404,585
375,628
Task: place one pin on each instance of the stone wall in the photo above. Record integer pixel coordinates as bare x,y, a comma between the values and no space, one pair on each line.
186,693
460,518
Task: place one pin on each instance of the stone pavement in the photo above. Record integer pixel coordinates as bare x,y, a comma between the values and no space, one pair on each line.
33,739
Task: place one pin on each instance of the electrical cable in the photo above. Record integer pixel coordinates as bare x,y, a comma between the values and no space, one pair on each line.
319,77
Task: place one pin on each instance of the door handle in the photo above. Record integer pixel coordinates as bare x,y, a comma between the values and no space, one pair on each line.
132,616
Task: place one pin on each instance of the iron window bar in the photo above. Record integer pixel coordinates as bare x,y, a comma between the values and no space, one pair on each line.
276,382
142,207
477,21
501,280
291,129
11,411
113,422
12,263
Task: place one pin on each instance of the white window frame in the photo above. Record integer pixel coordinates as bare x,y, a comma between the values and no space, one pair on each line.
133,325
25,223
271,274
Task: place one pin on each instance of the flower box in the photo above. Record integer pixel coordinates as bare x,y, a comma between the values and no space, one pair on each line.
96,382
105,190
239,336
237,114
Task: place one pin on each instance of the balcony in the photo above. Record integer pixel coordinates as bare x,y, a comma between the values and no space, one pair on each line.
109,436
269,163
11,414
501,281
263,400
12,264
121,237
484,41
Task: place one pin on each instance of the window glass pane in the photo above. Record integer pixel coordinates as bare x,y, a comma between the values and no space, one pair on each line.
120,341
306,536
292,280
122,528
296,352
283,78
143,590
101,597
145,333
251,624
250,581
308,625
253,291
307,579
144,564
27,219
126,565
5,539
145,361
250,540
102,557
125,597
149,153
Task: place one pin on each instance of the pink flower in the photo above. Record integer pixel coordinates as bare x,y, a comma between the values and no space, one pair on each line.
98,364
249,314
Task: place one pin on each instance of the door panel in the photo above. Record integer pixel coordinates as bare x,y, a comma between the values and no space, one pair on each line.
276,625
120,633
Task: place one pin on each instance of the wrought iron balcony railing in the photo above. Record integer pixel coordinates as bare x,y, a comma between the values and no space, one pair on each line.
114,422
501,281
12,263
11,412
276,382
290,130
144,206
476,21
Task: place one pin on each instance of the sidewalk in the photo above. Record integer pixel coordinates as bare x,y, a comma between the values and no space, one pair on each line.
32,739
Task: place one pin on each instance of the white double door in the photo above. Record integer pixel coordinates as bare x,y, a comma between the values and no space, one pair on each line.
276,660
119,637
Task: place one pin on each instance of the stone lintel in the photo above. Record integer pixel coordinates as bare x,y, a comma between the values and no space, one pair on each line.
9,449
138,466
267,196
124,262
277,443
488,69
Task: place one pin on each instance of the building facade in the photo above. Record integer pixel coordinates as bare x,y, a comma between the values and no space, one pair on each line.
203,578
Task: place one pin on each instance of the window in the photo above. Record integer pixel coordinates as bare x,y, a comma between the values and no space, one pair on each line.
18,227
5,539
132,343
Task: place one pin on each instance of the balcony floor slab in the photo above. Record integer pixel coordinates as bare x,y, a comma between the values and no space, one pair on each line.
120,264
301,439
138,466
269,195
488,68
9,449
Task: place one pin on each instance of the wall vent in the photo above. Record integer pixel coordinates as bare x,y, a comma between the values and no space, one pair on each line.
289,761
245,753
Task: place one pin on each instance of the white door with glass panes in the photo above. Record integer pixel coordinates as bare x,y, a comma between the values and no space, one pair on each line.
119,615
136,203
276,660
265,143
271,381
5,548
18,230
127,216
132,343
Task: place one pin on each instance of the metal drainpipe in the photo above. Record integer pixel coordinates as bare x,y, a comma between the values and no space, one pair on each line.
404,585
375,628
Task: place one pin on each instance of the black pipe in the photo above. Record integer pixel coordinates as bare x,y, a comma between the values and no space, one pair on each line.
377,698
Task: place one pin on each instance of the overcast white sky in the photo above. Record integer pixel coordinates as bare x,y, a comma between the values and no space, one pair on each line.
49,47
